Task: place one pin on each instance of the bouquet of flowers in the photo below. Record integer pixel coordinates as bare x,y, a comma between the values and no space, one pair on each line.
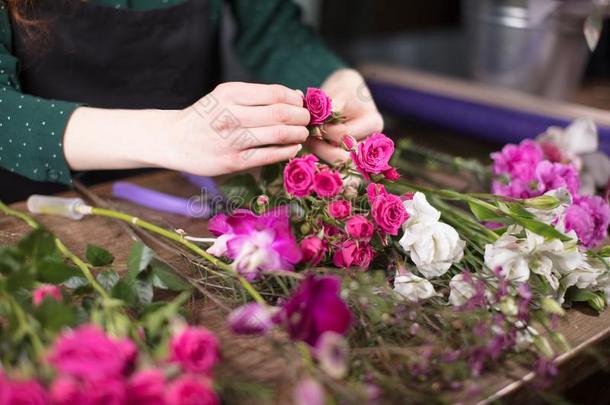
384,288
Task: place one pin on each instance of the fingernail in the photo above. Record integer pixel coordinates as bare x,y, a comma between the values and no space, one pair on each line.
299,147
300,93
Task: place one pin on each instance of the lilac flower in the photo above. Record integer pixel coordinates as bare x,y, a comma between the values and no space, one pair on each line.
251,319
315,308
551,176
256,243
589,217
545,369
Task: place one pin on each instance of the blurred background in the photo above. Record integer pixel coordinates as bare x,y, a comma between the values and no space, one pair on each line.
494,71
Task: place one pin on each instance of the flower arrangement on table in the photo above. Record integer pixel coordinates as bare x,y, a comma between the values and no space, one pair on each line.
387,289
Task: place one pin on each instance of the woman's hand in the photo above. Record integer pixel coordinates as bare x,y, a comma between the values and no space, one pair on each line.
236,127
351,96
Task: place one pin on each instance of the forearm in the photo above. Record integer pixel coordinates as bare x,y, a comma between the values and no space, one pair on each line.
102,139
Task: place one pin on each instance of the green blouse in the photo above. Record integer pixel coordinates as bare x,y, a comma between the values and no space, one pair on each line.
271,42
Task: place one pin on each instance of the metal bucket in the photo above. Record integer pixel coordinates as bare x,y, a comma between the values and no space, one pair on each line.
523,45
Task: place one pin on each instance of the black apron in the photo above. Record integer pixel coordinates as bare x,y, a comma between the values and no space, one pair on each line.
105,57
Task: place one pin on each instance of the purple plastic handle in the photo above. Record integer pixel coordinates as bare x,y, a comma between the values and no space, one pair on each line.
191,207
494,123
204,183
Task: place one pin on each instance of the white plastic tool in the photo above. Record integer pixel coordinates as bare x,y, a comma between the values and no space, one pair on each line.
73,208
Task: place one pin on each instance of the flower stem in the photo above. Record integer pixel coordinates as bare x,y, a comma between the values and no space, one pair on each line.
175,236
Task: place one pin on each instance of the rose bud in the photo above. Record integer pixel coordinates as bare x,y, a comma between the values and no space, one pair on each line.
348,142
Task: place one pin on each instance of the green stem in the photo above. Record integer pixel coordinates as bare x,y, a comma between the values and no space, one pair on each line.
179,239
25,325
84,268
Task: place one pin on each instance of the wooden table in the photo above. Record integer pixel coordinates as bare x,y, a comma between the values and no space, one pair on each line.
583,329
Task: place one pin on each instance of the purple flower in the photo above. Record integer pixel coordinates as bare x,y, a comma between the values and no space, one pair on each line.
256,243
589,217
517,161
551,176
315,308
251,319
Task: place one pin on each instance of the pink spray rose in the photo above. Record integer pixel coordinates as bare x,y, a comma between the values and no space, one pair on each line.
327,183
373,155
195,349
518,161
589,217
352,253
22,393
146,387
388,210
110,391
299,175
67,391
313,249
358,227
46,290
190,390
391,174
552,176
88,353
339,209
318,104
348,142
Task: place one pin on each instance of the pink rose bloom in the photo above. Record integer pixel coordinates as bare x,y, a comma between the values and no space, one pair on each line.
313,249
88,353
318,104
373,155
330,231
518,161
146,387
387,209
352,253
360,228
391,174
327,183
22,393
195,349
190,390
552,176
67,391
299,175
589,217
110,391
339,209
46,290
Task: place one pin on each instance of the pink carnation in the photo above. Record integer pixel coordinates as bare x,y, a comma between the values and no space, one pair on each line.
517,161
189,389
551,176
358,227
327,183
46,290
313,249
516,188
373,155
339,209
299,175
318,104
88,353
589,217
195,349
352,253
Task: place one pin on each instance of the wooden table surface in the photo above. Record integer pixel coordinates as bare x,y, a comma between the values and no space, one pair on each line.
583,329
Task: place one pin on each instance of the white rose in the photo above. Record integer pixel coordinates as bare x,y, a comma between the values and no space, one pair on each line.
420,211
433,247
413,288
507,255
461,291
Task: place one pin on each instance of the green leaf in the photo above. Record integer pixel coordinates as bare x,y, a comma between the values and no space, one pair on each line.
55,315
98,256
38,244
20,279
164,277
11,259
108,279
55,271
541,229
76,282
604,252
144,291
270,173
125,291
241,189
139,259
595,301
485,214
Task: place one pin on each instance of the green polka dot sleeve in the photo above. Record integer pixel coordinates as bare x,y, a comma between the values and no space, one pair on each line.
274,44
31,128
